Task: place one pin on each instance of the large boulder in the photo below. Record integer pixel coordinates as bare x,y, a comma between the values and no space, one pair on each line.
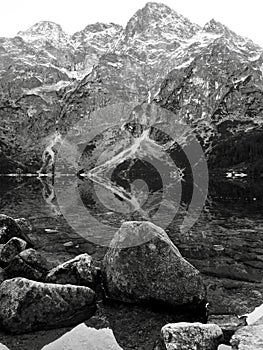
191,336
79,271
9,250
150,272
27,306
29,264
10,228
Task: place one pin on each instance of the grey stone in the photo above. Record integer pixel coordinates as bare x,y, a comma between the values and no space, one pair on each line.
191,336
9,250
29,264
79,271
10,228
153,271
27,306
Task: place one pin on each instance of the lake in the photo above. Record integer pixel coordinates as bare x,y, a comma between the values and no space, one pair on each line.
225,244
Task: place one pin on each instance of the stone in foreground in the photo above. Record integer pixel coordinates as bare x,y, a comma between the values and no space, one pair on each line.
249,337
150,272
78,271
28,264
9,250
27,306
85,338
191,336
10,228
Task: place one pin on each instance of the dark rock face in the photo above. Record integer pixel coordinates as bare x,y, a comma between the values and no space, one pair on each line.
29,264
10,228
12,248
28,306
152,271
191,336
78,271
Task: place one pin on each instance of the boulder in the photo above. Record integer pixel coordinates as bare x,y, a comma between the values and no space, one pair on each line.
79,271
85,338
25,225
27,306
9,250
29,264
249,337
191,336
10,228
150,272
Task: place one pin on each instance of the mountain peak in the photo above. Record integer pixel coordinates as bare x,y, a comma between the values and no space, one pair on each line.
216,27
44,27
156,6
45,30
100,27
158,15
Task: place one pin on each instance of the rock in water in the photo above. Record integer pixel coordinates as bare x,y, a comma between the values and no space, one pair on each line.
27,306
29,264
9,250
10,228
25,225
78,271
150,272
191,336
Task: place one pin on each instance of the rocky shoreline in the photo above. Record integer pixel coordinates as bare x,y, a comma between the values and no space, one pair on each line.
37,295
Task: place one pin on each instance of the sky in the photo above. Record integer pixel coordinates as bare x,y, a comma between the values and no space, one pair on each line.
242,16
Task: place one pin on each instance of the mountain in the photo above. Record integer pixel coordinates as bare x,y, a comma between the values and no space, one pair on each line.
210,77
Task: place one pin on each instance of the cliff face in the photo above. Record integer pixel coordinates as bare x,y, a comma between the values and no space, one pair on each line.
210,77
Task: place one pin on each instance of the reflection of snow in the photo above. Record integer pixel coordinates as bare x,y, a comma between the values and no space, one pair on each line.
48,194
235,174
48,157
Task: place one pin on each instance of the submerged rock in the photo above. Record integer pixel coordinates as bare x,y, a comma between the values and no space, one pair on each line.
27,306
29,264
151,272
79,271
191,336
10,228
9,250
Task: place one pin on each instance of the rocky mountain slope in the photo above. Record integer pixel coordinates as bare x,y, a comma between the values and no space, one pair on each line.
210,77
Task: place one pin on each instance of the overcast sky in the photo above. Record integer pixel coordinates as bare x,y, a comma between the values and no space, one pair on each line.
242,16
